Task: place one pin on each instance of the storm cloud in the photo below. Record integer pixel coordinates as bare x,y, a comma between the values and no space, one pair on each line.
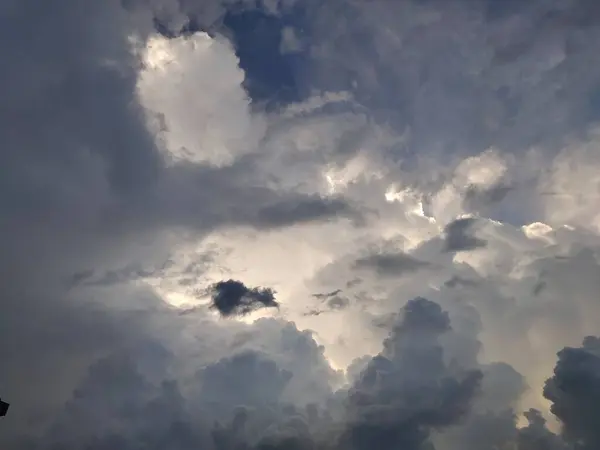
573,389
382,153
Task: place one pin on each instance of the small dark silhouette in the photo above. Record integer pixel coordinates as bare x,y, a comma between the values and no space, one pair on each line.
3,408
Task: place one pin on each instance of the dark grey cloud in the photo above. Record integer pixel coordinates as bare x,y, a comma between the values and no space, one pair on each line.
536,436
338,302
4,407
493,430
390,263
574,393
327,294
571,390
457,281
238,197
305,210
330,302
116,404
396,398
129,397
407,390
492,422
460,237
234,298
410,394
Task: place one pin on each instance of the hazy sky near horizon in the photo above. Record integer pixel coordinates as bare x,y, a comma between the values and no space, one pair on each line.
226,210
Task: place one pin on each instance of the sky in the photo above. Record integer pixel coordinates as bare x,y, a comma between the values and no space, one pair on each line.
300,225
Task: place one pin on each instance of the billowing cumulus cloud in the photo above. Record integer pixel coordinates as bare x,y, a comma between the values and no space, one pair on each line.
573,391
356,158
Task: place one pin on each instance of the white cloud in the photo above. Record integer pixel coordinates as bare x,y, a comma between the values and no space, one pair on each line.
192,89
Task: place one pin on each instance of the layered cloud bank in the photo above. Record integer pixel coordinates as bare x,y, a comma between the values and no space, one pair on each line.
300,225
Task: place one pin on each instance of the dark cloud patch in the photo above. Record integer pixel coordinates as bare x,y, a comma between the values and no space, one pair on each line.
574,391
459,236
390,263
539,287
310,209
332,301
457,281
331,304
327,294
338,302
233,298
314,312
4,406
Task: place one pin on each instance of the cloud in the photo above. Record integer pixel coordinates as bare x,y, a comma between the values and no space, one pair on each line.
390,264
245,394
406,390
140,164
86,188
493,100
536,436
573,389
459,237
202,129
247,379
233,298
